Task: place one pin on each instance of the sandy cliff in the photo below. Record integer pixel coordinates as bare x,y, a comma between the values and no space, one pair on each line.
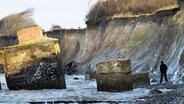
145,40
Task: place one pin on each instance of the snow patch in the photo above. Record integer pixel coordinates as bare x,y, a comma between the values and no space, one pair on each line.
77,90
166,90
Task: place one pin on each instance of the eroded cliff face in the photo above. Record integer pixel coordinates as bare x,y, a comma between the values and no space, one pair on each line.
145,40
70,42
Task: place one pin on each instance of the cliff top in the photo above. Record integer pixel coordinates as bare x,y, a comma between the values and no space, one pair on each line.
128,8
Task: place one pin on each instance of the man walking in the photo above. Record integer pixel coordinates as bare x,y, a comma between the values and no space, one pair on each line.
163,70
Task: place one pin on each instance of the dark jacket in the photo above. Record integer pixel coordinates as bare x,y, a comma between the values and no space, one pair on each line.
163,68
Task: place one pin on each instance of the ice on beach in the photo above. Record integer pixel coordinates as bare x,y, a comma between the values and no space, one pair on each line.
77,90
166,90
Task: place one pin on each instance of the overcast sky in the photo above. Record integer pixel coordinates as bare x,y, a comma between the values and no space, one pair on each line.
66,13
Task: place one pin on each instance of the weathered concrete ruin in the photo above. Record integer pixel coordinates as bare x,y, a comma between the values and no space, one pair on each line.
114,76
90,75
141,79
33,63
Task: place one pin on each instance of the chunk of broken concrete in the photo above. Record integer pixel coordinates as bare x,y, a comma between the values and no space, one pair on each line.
141,79
33,66
114,76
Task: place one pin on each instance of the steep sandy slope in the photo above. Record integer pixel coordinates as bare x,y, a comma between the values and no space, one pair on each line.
145,40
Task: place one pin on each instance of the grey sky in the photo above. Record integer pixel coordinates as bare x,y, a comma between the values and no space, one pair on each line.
66,13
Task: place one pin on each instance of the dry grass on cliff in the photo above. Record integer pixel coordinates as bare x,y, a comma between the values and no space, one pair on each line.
127,8
10,24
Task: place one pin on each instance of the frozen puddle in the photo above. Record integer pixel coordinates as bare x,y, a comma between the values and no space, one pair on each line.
77,90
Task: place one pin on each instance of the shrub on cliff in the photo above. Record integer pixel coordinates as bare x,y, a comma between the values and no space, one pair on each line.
10,24
55,27
127,8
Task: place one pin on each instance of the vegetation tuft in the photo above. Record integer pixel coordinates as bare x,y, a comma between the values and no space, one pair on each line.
10,24
125,8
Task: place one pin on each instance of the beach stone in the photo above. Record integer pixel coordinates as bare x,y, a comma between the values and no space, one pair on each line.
153,81
155,92
76,78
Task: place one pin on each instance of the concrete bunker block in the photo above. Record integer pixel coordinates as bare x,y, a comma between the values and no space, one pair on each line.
90,75
29,34
33,66
114,76
141,79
